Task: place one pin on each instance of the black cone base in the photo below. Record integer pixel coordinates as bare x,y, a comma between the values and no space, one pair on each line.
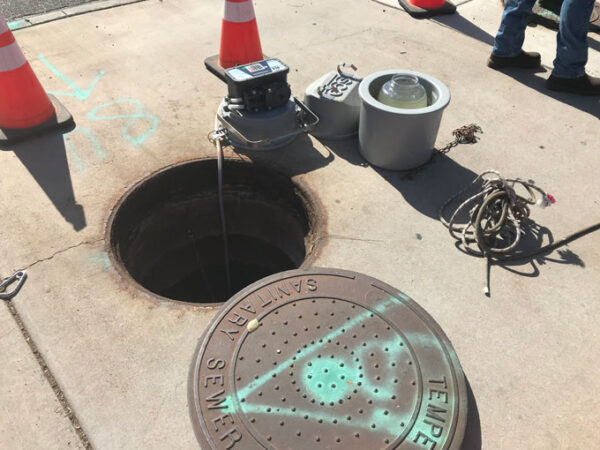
415,11
62,119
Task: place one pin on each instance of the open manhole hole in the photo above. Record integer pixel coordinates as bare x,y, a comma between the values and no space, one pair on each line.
166,232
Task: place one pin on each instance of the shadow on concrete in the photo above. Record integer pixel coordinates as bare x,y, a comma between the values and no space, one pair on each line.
472,440
531,79
590,105
45,158
594,44
466,27
426,188
429,188
346,149
535,237
298,158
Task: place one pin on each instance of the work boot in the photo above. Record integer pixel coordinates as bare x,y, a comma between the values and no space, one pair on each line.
524,60
584,85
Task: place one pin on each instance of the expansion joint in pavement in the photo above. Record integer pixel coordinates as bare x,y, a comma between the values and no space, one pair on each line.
48,374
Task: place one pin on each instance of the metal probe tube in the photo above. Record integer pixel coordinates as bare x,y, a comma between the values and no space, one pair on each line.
222,208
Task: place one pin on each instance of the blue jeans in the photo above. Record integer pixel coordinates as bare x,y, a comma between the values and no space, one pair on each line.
571,40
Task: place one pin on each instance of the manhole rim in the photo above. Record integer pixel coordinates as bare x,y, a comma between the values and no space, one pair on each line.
313,206
461,418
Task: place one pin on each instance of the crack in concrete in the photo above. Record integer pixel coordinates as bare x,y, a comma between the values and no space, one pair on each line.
58,252
347,238
58,392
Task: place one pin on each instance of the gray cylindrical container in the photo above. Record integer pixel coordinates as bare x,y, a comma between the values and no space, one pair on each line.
394,138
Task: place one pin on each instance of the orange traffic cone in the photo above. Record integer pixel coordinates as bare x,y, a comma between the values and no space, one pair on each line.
424,8
25,108
240,43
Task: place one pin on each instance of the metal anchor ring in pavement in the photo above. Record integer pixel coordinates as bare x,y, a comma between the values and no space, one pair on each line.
18,278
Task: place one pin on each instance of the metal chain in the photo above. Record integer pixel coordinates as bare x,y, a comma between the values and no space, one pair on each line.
463,135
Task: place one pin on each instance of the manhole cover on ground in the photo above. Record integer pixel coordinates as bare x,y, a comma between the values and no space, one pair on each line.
337,360
166,233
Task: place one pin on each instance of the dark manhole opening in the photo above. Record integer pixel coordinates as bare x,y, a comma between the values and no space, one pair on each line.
166,232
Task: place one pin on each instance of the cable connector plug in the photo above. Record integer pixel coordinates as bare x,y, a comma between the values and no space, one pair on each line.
546,200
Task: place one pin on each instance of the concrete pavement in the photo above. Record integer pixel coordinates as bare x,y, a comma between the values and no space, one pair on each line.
134,79
32,417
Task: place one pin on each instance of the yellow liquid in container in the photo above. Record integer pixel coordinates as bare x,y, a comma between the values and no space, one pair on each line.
403,104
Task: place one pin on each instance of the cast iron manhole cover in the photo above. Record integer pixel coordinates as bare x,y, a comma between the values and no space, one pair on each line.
325,359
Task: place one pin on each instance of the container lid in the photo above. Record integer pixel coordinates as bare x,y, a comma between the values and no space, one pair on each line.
434,87
334,98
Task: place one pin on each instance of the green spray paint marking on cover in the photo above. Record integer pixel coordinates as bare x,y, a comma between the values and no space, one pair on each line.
253,385
384,421
331,380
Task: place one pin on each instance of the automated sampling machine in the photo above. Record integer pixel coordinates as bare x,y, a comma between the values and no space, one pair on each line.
259,111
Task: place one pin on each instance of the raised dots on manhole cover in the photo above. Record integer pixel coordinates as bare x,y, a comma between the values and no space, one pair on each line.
333,359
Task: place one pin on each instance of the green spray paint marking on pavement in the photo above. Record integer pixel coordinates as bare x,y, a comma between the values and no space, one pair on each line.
75,156
81,94
136,116
18,24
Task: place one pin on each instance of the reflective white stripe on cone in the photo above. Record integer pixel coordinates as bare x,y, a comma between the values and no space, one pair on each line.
239,12
11,57
3,25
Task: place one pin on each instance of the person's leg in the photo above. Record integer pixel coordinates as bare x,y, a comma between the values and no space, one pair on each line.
572,51
571,40
511,33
